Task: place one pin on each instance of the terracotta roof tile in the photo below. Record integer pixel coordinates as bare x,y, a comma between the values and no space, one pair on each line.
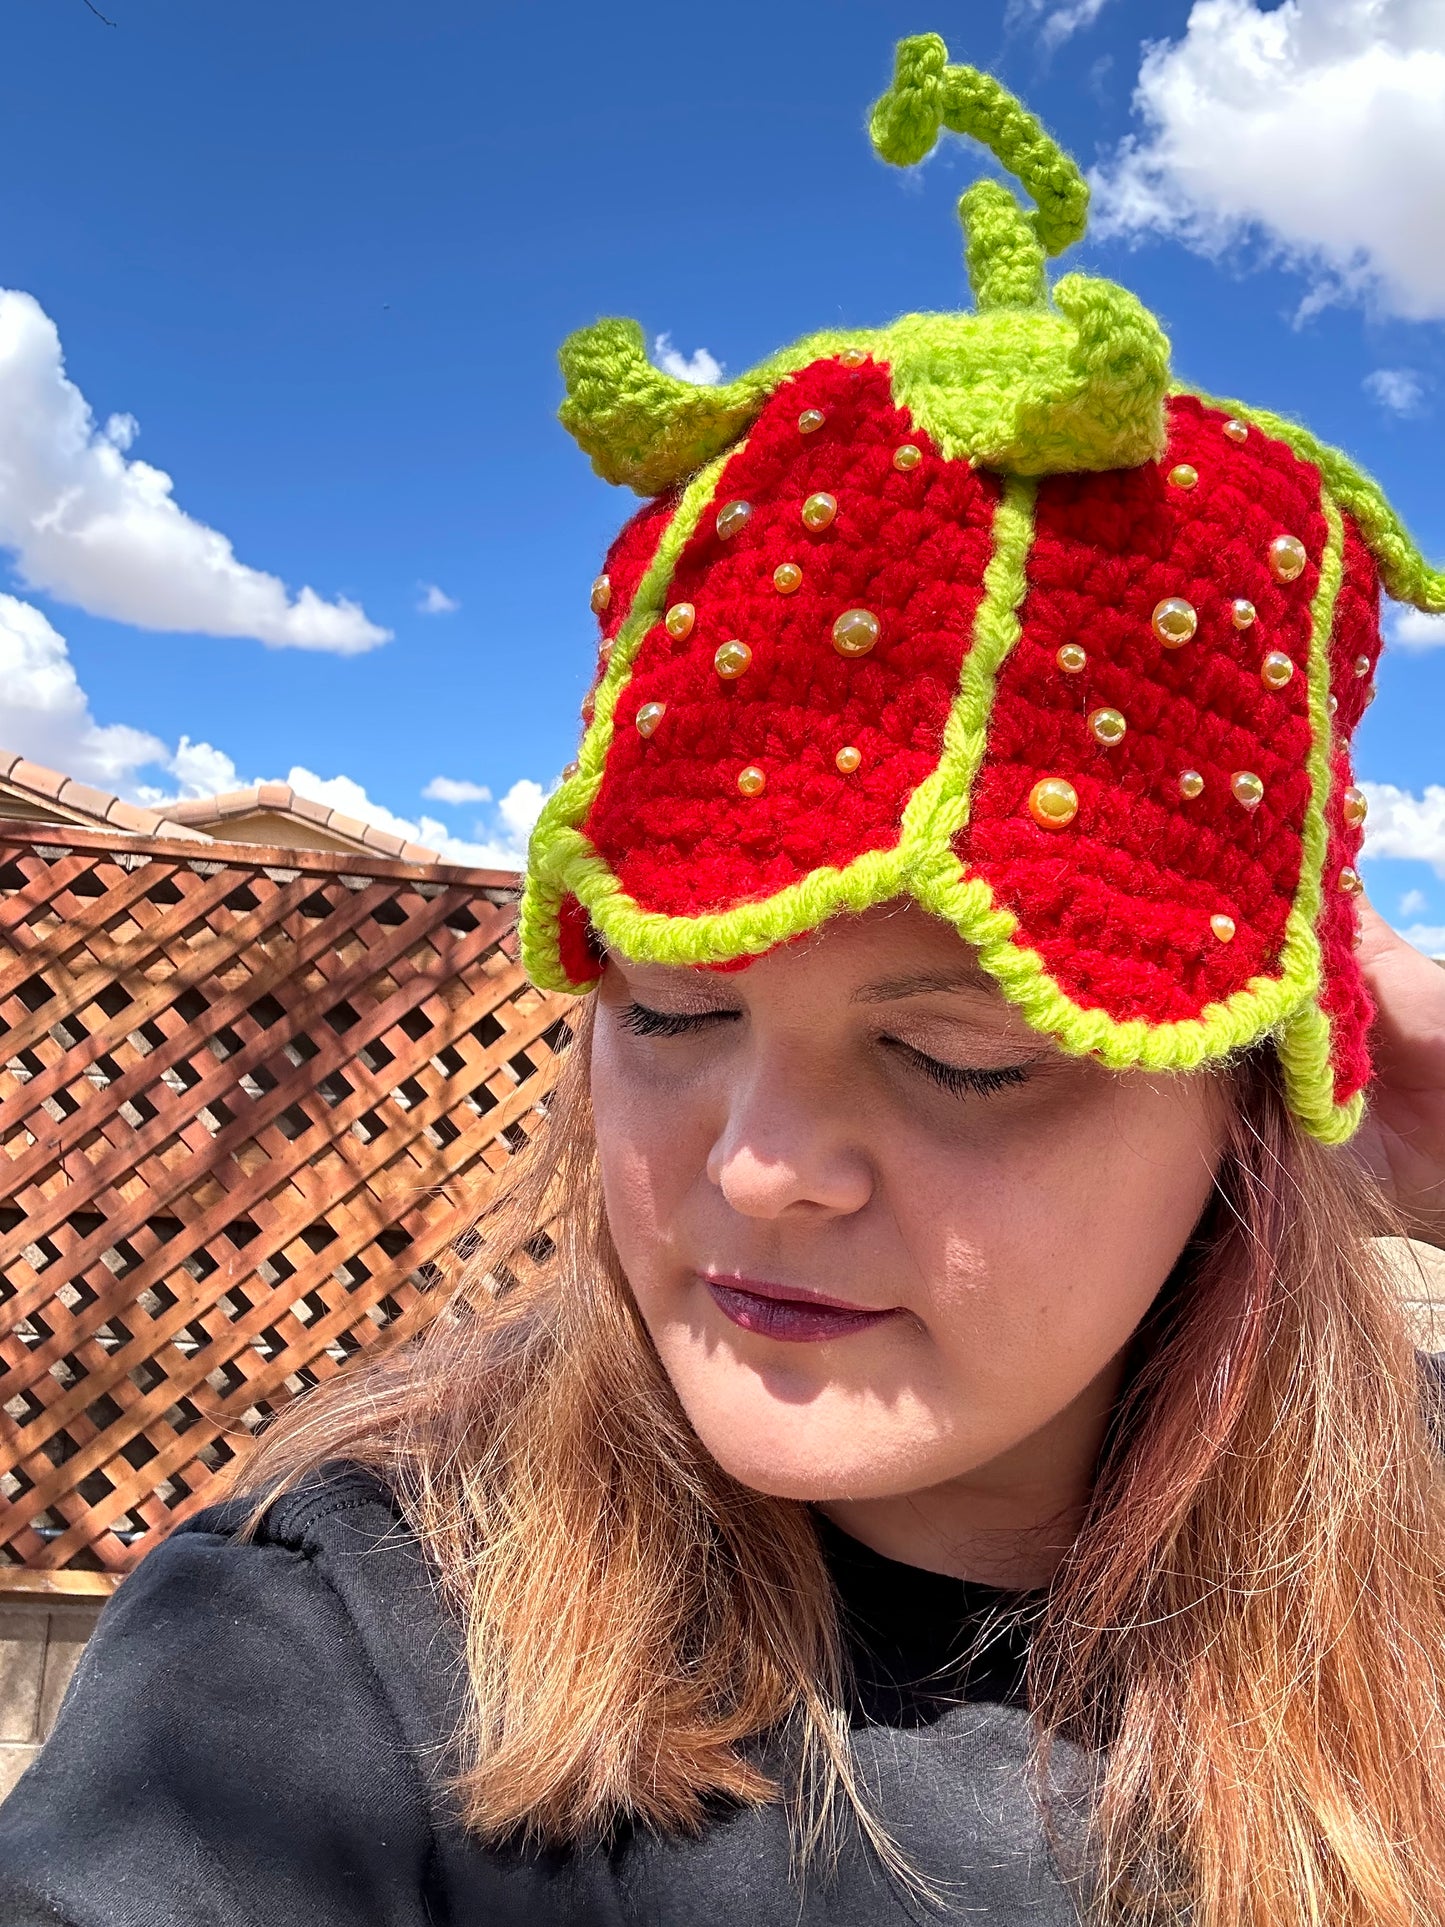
188,820
281,798
130,816
212,809
37,779
53,788
82,796
351,826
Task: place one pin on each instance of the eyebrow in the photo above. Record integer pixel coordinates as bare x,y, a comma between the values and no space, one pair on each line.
959,981
888,989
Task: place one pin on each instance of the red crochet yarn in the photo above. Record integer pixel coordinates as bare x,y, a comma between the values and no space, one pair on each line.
1120,906
910,546
1124,923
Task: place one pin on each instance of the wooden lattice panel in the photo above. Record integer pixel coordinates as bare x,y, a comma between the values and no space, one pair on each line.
248,1099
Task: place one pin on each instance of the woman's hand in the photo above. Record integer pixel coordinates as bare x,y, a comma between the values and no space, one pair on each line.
1402,1140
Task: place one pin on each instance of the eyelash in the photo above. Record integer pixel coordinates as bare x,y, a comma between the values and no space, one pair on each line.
957,1079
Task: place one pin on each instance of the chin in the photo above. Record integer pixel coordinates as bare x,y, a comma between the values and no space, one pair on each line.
805,1451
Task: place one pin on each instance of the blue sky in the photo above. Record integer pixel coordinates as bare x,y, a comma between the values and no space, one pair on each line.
313,262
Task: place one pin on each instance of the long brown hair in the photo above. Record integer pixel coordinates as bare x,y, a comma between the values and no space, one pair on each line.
1248,1635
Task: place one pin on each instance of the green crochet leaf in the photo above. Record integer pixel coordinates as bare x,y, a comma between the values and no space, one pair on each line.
639,425
1033,391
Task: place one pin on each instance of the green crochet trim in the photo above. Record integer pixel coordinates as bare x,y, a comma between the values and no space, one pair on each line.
1025,385
923,865
1404,572
1304,1041
642,427
1021,391
1027,391
943,802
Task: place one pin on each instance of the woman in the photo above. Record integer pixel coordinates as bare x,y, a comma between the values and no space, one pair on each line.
954,1450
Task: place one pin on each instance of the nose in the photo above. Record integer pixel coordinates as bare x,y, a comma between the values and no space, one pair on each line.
789,1144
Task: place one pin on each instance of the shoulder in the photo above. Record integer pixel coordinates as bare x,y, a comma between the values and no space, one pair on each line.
343,1529
264,1701
299,1515
335,1549
330,1580
342,1526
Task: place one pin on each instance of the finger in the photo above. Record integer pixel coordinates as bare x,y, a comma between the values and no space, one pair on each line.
1375,934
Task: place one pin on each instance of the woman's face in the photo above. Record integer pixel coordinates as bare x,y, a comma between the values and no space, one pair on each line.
860,1119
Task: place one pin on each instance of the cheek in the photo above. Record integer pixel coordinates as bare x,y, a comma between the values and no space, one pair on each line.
652,1149
1044,1268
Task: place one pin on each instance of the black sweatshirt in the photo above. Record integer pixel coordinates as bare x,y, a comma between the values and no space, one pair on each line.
256,1735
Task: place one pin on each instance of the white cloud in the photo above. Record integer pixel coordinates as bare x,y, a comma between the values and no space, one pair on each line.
203,770
46,715
345,794
1317,128
197,769
501,847
1400,391
455,789
1402,824
1055,24
94,529
520,808
1413,903
436,602
700,367
1427,937
1413,629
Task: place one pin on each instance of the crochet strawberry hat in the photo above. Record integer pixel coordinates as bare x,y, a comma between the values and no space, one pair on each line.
988,610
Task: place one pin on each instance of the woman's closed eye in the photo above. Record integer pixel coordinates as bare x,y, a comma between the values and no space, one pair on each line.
643,1022
963,1080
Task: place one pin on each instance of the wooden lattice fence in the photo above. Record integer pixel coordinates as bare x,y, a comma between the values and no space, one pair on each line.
248,1099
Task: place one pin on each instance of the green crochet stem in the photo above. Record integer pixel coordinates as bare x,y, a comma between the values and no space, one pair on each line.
1006,245
1024,385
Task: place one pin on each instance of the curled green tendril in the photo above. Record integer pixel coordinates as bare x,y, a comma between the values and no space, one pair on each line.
1006,243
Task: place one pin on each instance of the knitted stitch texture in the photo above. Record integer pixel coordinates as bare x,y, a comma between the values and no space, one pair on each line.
897,595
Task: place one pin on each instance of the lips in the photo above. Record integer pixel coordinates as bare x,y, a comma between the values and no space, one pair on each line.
786,1313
